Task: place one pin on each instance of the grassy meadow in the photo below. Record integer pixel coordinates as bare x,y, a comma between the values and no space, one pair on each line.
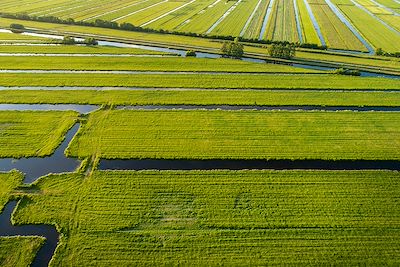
19,251
220,217
203,97
33,133
174,134
207,81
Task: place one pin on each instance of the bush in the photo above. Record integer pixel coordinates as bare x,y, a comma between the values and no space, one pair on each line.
232,49
190,53
90,41
67,40
17,28
343,71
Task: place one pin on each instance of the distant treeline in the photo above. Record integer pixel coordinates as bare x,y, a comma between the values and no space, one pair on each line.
380,52
130,27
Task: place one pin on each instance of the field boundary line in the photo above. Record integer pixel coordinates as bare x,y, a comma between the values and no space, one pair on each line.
166,14
140,10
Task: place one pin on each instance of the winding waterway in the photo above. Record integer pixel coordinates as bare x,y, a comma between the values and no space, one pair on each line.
46,252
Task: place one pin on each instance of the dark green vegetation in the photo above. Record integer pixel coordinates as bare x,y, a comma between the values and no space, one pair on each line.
27,134
8,182
18,251
239,135
203,97
245,81
220,217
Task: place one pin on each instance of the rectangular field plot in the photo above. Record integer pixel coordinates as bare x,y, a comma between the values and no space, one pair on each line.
27,134
167,64
7,38
207,81
239,135
145,16
204,97
206,18
282,24
61,49
177,19
220,217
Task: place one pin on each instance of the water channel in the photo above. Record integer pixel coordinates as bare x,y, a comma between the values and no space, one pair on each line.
182,53
46,252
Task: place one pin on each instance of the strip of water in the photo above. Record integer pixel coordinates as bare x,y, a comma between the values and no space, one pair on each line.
46,252
266,19
152,164
315,23
350,26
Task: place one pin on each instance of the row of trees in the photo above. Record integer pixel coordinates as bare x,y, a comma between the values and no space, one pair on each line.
67,40
380,52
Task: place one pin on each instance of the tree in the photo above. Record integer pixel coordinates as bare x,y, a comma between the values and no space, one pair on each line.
287,51
17,28
232,49
90,41
379,52
67,40
190,53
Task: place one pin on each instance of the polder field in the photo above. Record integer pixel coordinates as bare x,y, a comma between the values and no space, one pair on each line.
358,25
129,153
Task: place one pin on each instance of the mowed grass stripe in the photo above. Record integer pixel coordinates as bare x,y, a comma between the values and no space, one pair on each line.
203,97
245,81
239,135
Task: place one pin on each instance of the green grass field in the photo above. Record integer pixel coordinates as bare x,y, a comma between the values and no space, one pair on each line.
220,217
144,64
19,38
245,81
19,251
28,134
202,97
199,16
74,49
8,182
239,135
